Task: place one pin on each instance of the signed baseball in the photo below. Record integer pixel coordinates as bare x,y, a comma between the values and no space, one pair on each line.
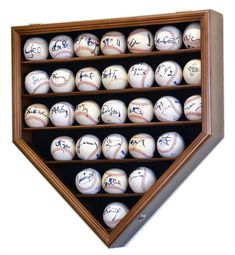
114,181
114,77
88,181
141,75
170,145
168,108
62,114
36,115
113,43
168,38
193,107
62,80
114,213
86,45
114,111
88,79
36,48
115,146
192,35
142,146
192,72
61,46
168,73
141,179
87,113
37,82
140,41
63,148
88,147
140,110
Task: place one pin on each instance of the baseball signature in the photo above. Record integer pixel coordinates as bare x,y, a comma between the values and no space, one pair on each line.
86,178
165,140
31,50
60,110
112,143
194,42
59,45
62,144
110,110
55,76
137,175
163,70
111,41
193,105
168,39
133,42
35,111
112,210
84,142
110,74
110,181
134,142
82,108
38,80
136,110
193,69
89,42
83,75
138,71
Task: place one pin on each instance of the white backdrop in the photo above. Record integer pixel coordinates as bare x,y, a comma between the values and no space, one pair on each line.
34,219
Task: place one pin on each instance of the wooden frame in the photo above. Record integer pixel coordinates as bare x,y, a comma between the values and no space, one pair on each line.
211,126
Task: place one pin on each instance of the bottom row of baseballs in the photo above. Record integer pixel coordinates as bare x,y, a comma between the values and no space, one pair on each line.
114,181
114,213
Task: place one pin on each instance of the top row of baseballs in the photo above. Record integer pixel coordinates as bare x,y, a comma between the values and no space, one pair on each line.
140,40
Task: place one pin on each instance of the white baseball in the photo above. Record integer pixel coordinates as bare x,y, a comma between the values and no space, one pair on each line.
114,181
140,110
193,107
141,179
168,38
142,146
62,80
114,111
37,82
36,115
192,35
140,41
36,48
61,46
113,43
170,145
115,146
88,147
168,73
63,148
86,45
192,72
88,181
114,77
141,75
168,108
87,113
62,114
114,213
88,79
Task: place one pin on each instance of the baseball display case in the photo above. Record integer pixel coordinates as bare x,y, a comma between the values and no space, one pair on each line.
174,139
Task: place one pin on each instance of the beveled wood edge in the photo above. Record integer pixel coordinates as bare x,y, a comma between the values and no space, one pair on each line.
63,190
110,23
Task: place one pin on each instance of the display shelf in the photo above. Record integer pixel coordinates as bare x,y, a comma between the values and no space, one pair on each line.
200,136
108,57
